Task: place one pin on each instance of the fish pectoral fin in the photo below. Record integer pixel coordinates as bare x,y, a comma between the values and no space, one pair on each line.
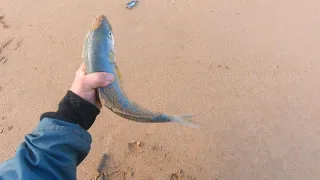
112,57
118,72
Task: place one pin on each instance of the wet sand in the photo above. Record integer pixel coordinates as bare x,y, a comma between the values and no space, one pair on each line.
248,70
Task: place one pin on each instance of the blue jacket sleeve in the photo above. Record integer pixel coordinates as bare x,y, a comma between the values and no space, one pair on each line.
52,151
55,148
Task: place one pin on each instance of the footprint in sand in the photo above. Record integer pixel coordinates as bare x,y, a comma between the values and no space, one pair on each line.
4,45
3,59
18,44
154,155
3,22
112,170
135,147
5,128
180,175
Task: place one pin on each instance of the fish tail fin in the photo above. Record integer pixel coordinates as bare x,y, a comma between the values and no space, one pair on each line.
185,120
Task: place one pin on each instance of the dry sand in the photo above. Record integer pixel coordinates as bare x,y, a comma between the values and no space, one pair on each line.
249,70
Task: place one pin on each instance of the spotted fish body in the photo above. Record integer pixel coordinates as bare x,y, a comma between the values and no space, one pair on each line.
98,54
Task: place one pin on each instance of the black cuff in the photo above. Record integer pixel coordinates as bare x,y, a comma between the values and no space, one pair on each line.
74,109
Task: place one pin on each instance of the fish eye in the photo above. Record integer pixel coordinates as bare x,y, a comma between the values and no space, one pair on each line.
110,34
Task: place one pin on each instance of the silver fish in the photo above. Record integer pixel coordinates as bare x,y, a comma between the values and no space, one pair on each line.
98,54
131,4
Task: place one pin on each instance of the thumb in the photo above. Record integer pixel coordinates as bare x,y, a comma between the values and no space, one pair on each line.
99,79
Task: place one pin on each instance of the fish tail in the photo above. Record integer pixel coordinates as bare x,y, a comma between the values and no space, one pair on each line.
185,120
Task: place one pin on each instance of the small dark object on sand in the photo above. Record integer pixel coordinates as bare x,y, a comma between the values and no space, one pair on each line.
131,4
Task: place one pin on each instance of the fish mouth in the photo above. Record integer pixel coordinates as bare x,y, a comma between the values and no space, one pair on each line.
99,22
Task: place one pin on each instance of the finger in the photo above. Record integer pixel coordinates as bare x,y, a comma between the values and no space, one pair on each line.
82,70
98,79
82,67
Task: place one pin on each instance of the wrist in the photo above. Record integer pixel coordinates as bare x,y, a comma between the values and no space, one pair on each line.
74,109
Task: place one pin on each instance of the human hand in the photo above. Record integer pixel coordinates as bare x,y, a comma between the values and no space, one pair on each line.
84,85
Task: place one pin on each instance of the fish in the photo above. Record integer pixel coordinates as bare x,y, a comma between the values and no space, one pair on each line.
98,55
131,4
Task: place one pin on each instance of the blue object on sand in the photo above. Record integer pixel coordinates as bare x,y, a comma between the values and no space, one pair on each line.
131,4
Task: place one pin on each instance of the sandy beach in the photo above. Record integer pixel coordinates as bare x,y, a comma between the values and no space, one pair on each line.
248,70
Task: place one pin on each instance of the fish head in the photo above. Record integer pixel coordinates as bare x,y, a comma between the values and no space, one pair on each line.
98,51
102,27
